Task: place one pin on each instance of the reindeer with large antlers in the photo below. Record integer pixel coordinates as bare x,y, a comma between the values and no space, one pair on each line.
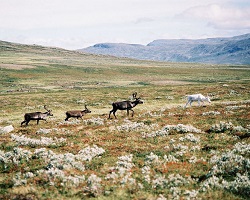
126,105
77,113
36,116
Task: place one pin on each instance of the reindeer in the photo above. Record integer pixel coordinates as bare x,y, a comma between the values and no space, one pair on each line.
77,113
197,97
125,105
36,116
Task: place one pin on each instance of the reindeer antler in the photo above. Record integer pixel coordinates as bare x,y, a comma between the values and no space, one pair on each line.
45,107
134,95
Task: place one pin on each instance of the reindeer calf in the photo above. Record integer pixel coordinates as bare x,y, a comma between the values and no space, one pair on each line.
76,113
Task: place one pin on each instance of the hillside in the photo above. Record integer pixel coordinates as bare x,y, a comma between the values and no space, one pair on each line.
22,54
163,151
48,68
232,50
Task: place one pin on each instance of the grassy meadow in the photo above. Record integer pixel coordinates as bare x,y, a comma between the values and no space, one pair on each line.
164,152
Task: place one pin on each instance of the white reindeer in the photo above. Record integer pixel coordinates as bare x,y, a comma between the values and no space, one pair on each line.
197,97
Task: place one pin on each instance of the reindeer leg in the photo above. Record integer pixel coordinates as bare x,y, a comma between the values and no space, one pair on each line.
67,117
114,114
26,120
132,113
110,113
23,122
37,122
127,112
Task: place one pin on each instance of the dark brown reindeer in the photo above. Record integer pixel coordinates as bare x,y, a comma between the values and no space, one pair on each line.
36,116
77,113
125,105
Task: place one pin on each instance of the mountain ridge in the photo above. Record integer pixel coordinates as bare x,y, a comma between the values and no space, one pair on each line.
221,50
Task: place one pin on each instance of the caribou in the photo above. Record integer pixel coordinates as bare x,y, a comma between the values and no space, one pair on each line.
126,105
197,97
76,113
37,116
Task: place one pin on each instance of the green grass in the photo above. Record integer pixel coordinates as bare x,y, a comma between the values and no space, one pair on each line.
66,80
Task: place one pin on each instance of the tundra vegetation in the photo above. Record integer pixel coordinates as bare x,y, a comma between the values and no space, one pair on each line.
163,152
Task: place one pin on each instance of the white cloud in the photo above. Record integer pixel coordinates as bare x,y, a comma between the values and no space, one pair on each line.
27,14
78,23
220,17
144,20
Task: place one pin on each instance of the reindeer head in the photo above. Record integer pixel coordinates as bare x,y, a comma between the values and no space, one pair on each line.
49,112
86,110
138,100
208,98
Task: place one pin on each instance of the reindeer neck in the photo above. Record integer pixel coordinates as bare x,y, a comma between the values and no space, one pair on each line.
134,103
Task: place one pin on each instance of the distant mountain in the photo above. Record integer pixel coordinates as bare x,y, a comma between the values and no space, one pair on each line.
232,50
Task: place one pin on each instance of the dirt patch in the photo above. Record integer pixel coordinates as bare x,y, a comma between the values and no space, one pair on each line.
170,82
15,66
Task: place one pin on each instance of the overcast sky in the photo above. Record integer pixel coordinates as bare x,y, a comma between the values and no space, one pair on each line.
74,24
